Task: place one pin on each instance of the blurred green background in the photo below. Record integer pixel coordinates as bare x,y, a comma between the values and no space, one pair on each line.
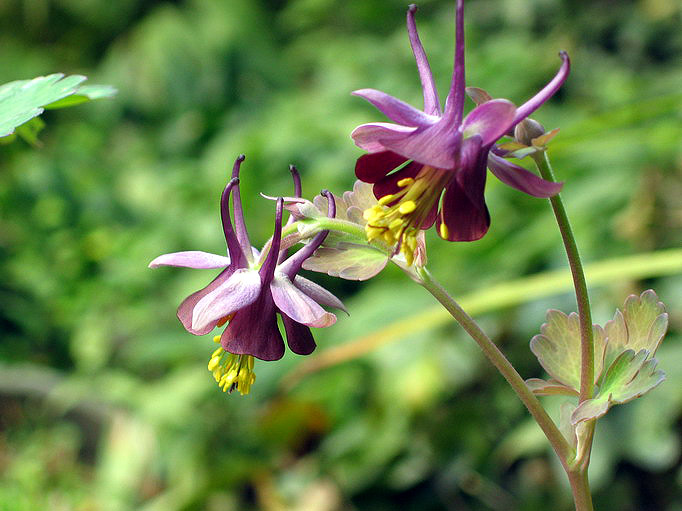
106,402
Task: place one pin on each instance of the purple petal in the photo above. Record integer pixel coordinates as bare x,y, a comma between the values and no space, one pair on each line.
186,308
389,184
239,225
297,305
293,265
254,331
395,109
454,104
267,270
318,293
547,91
299,337
370,136
522,179
431,103
437,145
370,168
233,246
241,289
491,120
191,259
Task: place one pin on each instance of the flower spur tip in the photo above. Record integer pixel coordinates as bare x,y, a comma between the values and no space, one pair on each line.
412,8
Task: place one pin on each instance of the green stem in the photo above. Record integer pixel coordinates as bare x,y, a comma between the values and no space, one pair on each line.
579,283
562,448
580,486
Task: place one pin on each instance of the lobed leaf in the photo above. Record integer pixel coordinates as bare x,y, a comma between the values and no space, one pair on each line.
641,326
631,375
557,348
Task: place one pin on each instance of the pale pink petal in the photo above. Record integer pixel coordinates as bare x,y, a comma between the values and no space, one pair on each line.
297,305
395,109
491,120
191,259
241,289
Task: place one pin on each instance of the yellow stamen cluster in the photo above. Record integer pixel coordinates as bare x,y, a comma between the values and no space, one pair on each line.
400,222
232,371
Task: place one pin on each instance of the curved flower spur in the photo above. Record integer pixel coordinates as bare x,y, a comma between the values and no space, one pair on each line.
425,153
249,293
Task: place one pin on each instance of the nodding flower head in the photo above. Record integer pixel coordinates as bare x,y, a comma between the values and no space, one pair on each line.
429,166
249,292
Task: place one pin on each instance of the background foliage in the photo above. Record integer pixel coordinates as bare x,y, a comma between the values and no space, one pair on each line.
106,403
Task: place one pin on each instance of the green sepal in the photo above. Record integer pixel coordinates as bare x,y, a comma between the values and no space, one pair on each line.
348,261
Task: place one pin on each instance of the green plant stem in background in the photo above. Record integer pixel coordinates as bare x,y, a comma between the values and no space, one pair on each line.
497,358
579,283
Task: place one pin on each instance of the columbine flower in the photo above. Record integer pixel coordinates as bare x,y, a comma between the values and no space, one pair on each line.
249,293
437,150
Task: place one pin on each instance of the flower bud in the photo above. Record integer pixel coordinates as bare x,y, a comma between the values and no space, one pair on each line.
527,130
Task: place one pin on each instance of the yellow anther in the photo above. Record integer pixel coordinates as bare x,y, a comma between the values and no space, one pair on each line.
232,371
386,199
407,181
398,222
216,339
407,207
389,238
444,232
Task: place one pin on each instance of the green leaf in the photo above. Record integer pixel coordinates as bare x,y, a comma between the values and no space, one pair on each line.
348,261
630,376
641,326
83,95
541,387
22,100
557,348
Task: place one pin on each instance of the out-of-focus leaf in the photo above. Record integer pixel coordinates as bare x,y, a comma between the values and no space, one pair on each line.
29,130
22,100
83,95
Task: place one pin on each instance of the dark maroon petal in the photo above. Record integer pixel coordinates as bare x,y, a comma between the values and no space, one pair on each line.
299,337
389,184
464,219
522,179
454,104
431,103
186,308
370,168
547,91
253,330
239,225
472,172
267,270
431,217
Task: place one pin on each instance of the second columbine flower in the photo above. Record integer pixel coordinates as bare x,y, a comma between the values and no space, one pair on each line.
425,153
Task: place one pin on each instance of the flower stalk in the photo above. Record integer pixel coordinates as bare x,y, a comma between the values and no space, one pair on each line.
579,282
564,451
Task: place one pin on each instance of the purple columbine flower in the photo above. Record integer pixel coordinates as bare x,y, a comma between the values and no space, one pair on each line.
438,150
249,293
